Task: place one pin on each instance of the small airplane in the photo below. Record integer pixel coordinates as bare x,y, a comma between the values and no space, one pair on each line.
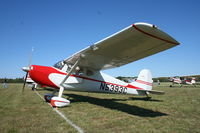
182,80
82,70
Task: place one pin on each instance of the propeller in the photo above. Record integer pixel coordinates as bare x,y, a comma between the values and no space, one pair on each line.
27,69
24,81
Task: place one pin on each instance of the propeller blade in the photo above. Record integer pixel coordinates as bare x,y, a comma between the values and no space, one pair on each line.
30,57
27,69
24,82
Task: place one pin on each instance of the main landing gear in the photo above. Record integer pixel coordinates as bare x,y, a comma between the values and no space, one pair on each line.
59,101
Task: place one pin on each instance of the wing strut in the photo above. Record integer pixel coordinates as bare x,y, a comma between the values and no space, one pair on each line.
67,76
59,101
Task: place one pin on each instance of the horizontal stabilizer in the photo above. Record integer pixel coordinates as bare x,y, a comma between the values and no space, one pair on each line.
153,92
156,92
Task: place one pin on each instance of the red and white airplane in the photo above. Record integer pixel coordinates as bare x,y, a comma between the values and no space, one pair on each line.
181,81
191,82
82,70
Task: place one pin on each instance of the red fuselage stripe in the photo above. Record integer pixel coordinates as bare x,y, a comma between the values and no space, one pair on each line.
129,86
40,74
86,78
144,82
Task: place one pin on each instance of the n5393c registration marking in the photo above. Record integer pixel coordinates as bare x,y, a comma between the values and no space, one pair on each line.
112,88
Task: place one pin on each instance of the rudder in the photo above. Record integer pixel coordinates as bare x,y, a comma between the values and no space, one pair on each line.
144,80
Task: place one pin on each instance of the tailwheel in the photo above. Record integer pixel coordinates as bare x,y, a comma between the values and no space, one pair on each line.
147,96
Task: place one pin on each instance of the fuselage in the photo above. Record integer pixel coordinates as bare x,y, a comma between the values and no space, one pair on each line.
97,82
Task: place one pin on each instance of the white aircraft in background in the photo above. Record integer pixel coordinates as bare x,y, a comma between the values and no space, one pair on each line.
181,81
82,70
192,82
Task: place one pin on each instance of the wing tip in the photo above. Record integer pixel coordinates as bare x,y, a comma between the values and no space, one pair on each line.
143,23
135,25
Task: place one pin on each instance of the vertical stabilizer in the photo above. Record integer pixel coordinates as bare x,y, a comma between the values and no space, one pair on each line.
144,80
193,81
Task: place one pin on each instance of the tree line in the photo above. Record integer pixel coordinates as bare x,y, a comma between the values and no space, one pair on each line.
161,79
10,80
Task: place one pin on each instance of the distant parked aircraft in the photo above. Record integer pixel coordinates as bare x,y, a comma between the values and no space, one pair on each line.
182,80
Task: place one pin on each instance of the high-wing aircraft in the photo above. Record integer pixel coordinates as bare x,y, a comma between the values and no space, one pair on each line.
82,70
182,80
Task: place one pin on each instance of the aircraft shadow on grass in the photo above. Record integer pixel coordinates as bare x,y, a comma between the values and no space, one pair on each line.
46,88
145,99
112,104
131,98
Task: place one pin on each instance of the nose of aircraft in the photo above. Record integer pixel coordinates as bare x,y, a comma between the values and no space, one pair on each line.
26,69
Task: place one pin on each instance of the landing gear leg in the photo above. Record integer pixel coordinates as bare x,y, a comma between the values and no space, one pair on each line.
60,91
147,96
180,85
34,87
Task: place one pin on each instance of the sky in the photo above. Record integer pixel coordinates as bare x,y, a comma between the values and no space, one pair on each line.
58,28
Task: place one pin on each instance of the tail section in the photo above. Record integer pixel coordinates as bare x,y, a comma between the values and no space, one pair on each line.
145,83
144,80
193,81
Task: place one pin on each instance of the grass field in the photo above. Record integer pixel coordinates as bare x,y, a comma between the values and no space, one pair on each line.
176,111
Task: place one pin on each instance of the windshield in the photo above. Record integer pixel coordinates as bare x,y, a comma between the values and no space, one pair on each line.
59,65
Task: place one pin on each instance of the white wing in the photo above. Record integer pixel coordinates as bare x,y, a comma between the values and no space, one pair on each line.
130,44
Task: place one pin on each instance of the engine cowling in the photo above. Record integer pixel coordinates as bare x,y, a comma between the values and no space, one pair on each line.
59,102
